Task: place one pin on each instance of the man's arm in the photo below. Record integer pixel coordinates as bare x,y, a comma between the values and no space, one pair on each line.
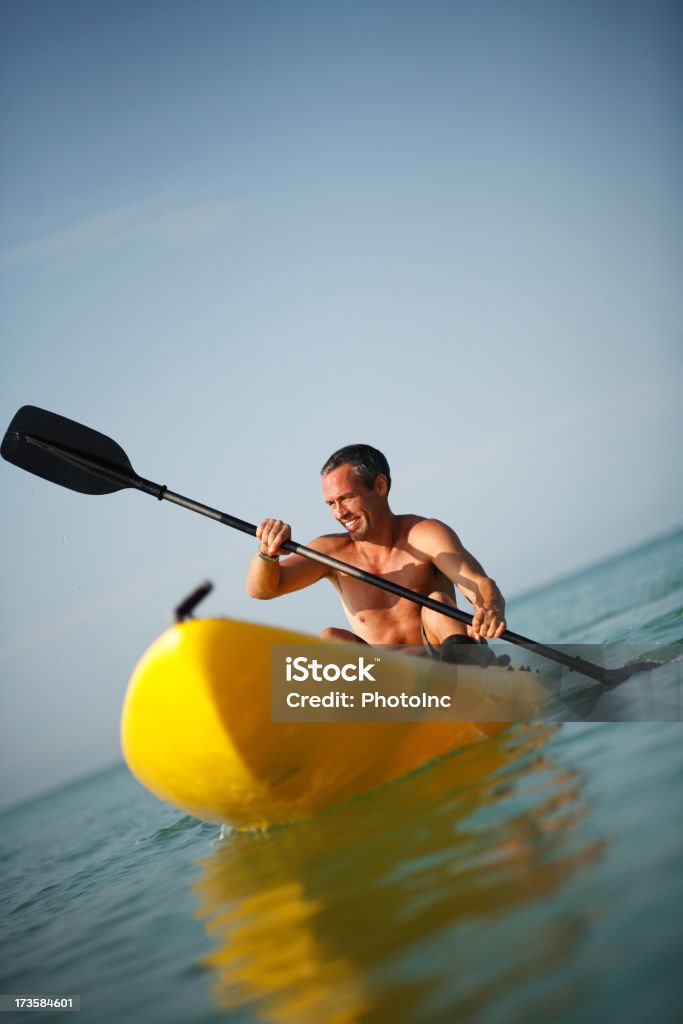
451,558
268,576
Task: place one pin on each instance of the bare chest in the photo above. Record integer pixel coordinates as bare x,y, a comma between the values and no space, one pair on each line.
379,616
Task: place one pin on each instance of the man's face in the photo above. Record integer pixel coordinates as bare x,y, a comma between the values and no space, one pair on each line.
351,503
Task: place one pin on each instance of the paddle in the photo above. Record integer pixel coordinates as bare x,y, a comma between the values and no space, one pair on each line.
74,456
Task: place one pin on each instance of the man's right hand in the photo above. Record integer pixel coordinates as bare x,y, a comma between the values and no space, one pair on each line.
272,533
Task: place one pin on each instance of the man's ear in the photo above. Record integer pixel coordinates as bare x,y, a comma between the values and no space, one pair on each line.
381,485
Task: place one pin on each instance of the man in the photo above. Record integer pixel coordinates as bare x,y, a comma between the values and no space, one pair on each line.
421,554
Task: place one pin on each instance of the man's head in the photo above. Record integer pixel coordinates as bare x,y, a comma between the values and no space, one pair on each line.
356,482
366,461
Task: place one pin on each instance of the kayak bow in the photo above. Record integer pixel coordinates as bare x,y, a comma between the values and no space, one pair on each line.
197,728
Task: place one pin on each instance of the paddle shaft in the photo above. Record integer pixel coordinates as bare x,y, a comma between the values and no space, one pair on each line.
162,493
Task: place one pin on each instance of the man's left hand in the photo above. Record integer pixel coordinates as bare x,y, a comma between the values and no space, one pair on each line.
488,621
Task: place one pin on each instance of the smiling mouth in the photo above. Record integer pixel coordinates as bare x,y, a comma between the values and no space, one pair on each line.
351,524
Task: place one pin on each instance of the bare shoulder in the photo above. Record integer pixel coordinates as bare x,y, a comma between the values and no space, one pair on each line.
427,534
333,544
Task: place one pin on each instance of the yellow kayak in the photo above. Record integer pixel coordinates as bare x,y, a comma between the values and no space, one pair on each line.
197,727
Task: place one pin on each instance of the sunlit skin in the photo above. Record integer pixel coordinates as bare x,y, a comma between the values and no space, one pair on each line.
418,553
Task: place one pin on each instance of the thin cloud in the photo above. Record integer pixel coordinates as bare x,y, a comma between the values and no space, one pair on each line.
161,220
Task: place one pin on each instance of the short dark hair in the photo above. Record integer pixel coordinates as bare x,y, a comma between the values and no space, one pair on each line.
367,462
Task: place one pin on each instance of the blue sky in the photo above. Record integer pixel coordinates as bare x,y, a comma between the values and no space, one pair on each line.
235,236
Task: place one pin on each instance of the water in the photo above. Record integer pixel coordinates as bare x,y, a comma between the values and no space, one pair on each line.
537,877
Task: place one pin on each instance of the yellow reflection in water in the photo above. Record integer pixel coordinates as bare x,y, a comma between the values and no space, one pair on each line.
348,916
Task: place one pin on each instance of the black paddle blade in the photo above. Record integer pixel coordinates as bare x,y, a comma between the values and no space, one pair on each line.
620,675
66,453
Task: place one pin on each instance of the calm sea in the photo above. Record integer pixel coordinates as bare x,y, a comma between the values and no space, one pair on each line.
535,878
